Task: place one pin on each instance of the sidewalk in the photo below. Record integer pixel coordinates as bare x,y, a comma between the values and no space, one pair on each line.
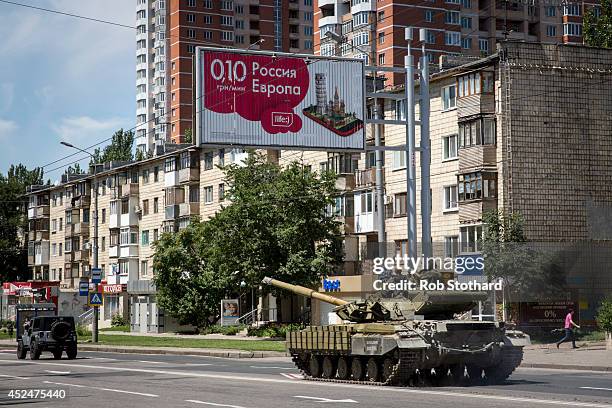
191,336
590,356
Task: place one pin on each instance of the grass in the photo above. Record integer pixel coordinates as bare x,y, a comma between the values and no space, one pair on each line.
125,328
146,341
5,336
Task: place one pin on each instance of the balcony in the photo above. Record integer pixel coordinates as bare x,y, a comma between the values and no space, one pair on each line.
171,179
188,209
128,251
365,178
476,157
31,213
81,256
345,182
30,260
171,212
113,251
347,225
471,211
188,175
81,228
130,189
364,7
68,257
475,105
366,222
113,221
41,235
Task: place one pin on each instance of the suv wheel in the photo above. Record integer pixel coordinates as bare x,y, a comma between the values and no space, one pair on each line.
35,350
57,354
21,351
71,352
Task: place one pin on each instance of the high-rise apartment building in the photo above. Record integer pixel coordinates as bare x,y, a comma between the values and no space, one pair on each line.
374,30
168,32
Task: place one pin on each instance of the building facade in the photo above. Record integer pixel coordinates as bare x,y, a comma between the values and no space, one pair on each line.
374,30
168,32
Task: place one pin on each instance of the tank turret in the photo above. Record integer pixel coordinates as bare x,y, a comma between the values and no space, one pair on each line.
427,305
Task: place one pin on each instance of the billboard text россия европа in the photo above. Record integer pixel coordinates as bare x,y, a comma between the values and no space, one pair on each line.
274,99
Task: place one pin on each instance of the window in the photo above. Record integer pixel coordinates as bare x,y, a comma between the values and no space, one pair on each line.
208,160
466,43
449,147
381,16
124,267
155,205
452,38
477,132
381,38
466,4
207,4
450,198
239,9
155,234
190,18
551,31
572,29
227,20
381,59
475,186
208,35
208,195
362,38
572,9
429,16
451,17
551,11
451,246
128,236
360,19
156,174
145,207
144,268
207,19
53,225
191,3
53,249
144,239
308,16
221,192
471,238
227,5
449,99
221,157
483,45
399,160
399,205
60,252
191,33
400,109
103,243
430,37
125,206
466,22
190,48
227,36
367,203
194,193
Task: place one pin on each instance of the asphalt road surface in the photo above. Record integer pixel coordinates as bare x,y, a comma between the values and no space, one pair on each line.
133,380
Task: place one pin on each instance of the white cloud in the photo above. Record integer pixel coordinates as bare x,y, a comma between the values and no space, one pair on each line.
84,131
7,129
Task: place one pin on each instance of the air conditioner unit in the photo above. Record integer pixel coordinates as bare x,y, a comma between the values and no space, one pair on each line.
137,209
388,199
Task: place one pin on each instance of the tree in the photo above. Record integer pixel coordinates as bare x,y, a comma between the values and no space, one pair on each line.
530,272
598,26
276,225
120,148
13,251
74,170
188,136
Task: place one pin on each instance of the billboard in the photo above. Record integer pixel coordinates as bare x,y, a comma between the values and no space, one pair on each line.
253,98
230,312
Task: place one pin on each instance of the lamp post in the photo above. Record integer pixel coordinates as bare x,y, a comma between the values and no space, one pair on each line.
94,330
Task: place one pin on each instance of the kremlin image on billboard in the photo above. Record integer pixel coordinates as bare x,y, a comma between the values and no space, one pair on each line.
332,113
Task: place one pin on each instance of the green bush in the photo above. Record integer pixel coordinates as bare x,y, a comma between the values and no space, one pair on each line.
118,320
82,331
604,315
273,330
218,329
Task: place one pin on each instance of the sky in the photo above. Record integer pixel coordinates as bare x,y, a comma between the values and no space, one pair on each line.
64,79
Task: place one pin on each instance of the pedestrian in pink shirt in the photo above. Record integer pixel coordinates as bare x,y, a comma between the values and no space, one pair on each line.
569,334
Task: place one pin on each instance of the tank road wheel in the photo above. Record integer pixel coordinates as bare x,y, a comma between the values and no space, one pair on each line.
387,369
343,371
373,370
357,370
315,366
510,359
475,374
329,367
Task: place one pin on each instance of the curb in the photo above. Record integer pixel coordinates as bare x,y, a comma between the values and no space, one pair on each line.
567,367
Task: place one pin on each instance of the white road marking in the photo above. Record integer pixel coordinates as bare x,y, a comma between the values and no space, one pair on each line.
277,368
58,372
214,404
323,384
142,394
148,361
197,364
14,376
319,399
7,351
596,388
102,358
293,376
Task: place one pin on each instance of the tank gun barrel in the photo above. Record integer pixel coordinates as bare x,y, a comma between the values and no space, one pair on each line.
300,290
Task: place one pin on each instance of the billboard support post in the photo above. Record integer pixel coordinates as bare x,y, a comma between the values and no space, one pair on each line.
410,152
425,153
380,192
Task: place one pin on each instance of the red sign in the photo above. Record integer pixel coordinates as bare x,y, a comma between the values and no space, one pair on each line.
260,88
110,289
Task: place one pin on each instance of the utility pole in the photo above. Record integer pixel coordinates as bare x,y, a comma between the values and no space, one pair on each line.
94,328
425,154
410,152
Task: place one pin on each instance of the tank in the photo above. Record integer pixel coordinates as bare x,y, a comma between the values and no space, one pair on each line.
405,342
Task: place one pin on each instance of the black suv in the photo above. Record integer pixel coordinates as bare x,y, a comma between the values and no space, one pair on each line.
48,333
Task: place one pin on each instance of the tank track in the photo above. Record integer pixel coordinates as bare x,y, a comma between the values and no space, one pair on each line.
511,359
402,371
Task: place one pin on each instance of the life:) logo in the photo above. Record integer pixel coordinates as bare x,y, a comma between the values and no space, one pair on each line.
256,87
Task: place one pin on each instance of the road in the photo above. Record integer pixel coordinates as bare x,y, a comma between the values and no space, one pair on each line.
132,380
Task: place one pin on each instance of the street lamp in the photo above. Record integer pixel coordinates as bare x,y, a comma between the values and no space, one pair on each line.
94,337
